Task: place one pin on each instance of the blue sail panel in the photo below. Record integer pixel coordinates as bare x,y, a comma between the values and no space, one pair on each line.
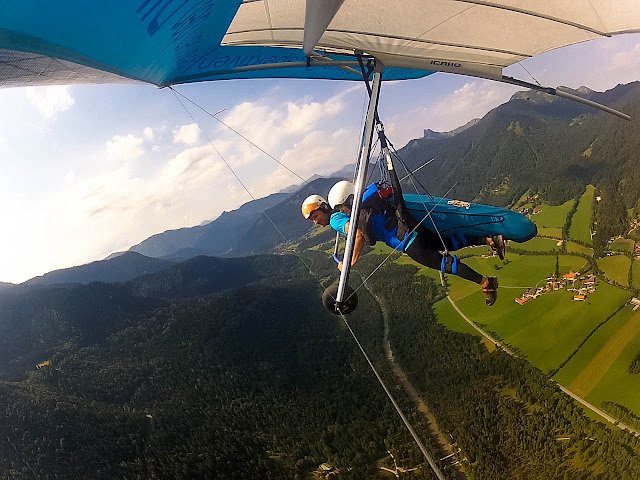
162,42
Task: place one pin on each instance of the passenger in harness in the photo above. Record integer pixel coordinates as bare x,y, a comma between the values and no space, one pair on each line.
381,220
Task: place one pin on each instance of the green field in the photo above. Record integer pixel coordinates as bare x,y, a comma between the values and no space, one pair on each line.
599,370
636,273
616,268
524,198
546,329
551,218
573,247
539,244
623,245
448,317
383,252
581,221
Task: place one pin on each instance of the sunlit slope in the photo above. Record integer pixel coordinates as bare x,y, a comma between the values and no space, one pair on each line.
616,268
581,221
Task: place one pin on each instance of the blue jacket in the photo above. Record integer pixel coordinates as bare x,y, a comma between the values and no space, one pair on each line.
378,223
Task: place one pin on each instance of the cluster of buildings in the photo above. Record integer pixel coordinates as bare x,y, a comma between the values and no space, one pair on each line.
581,285
528,210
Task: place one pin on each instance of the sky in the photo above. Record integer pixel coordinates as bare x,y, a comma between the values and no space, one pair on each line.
88,170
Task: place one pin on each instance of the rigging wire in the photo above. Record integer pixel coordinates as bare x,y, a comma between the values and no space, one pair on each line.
525,69
244,186
410,173
391,398
237,133
413,433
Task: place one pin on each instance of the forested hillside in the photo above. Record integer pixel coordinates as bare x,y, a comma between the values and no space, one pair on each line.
194,373
253,382
119,268
539,143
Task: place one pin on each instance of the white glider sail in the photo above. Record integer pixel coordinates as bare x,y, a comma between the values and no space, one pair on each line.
165,42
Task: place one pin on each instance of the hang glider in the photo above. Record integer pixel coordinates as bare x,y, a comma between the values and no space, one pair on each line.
167,42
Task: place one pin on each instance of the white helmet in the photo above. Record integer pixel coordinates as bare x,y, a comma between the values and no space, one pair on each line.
311,204
340,192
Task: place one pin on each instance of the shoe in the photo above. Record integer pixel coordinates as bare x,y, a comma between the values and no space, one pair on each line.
499,246
491,291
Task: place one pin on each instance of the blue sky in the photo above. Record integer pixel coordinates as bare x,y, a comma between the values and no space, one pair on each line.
91,170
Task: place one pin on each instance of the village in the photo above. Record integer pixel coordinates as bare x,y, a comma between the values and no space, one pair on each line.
581,285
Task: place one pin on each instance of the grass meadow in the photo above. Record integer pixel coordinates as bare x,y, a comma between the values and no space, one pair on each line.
636,273
599,370
552,218
573,247
448,317
539,244
616,268
581,221
623,245
547,329
551,328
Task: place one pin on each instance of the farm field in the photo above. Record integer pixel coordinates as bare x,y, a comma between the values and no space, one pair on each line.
549,328
623,245
636,273
538,244
616,268
383,252
552,218
573,247
448,317
581,221
599,370
546,329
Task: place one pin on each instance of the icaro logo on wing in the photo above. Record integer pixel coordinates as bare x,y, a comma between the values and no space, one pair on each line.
443,63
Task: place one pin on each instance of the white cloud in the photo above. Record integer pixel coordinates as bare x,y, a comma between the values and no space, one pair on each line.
267,125
302,118
50,100
109,206
187,134
125,148
112,210
317,153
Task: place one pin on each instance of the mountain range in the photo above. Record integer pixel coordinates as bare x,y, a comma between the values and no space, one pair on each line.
534,142
539,143
115,268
